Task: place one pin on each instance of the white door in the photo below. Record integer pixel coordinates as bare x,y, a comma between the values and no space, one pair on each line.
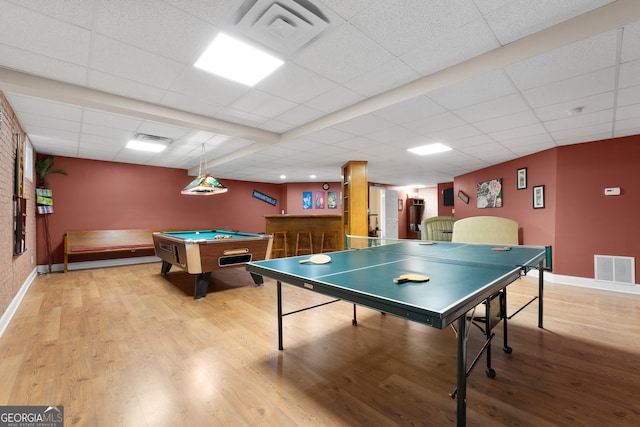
389,214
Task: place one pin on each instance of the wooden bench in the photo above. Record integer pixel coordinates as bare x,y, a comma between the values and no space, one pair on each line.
105,241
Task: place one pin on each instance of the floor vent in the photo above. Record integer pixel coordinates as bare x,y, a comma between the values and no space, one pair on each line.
617,269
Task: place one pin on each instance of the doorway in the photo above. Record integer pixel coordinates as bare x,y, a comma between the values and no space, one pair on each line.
383,209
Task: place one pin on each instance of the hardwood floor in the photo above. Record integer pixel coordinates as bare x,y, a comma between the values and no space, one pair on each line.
127,347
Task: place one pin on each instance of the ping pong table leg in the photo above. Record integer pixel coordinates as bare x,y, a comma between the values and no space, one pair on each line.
540,292
461,391
279,288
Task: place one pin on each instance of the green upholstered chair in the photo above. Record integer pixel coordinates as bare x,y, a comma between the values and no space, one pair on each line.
437,228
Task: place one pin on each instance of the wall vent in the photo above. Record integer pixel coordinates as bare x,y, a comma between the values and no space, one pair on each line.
616,269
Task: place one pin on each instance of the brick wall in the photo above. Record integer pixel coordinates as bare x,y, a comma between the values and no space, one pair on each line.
14,269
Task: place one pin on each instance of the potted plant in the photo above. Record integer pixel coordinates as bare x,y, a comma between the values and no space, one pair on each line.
44,168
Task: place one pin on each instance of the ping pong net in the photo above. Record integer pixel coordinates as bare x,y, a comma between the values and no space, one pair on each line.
526,257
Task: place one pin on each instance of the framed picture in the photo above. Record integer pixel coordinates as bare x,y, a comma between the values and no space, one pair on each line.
399,204
522,178
332,200
463,196
538,197
489,193
319,199
307,200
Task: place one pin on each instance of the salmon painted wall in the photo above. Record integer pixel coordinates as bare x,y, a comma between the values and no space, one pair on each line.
578,220
536,226
589,223
99,195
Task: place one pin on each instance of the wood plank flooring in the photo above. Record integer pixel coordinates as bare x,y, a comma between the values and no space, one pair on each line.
125,346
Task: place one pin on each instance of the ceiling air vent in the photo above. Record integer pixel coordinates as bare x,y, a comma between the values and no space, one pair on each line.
153,139
283,26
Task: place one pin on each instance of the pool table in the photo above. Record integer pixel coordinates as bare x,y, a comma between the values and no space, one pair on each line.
200,252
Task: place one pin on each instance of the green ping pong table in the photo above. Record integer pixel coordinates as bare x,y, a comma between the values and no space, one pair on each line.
461,277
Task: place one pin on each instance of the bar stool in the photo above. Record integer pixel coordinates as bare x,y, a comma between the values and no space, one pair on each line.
329,242
279,245
302,246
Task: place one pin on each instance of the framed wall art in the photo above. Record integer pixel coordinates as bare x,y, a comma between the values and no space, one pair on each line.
538,197
521,177
490,193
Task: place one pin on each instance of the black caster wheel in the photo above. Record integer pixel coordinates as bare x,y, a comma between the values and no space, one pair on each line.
507,349
354,322
491,373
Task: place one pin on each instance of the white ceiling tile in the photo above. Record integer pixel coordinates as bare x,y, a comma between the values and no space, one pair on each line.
507,122
474,90
602,101
411,110
629,112
298,116
263,104
215,12
76,12
364,125
51,68
122,60
404,25
56,43
627,127
116,121
295,84
583,134
580,120
435,123
348,9
124,87
575,88
494,108
566,62
352,54
147,24
630,74
631,42
519,132
451,48
520,18
41,107
628,95
383,78
335,99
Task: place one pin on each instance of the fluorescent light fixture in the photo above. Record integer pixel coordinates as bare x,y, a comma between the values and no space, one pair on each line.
135,144
283,176
312,176
429,149
237,61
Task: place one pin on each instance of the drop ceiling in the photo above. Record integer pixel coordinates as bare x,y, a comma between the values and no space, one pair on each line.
362,80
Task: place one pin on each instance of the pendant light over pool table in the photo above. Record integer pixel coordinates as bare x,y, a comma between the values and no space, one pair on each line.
204,184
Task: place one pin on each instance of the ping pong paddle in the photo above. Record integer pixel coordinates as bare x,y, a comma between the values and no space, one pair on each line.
404,278
503,248
317,259
427,243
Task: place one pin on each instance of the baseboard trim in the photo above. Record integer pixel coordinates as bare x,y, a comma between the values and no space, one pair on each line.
17,300
583,282
85,265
